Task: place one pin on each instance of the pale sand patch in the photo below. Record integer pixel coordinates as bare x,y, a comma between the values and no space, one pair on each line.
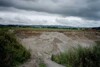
48,43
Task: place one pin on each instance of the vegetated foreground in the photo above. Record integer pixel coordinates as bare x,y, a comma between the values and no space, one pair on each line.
12,53
44,44
80,57
49,48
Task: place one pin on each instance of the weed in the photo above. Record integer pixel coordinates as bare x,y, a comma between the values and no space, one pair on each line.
80,57
12,53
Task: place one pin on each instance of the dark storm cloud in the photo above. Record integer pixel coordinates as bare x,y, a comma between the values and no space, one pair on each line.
81,8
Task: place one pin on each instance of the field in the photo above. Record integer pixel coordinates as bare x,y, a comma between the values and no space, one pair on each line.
43,43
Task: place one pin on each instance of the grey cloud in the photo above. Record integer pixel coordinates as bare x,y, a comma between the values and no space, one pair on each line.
78,23
38,18
81,8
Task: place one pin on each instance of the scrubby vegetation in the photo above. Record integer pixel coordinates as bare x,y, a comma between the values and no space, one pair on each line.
12,53
42,64
80,57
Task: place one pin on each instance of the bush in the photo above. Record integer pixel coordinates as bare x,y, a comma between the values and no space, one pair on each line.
42,64
11,52
80,57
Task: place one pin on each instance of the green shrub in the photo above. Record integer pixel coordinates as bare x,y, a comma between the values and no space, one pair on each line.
12,53
42,65
80,57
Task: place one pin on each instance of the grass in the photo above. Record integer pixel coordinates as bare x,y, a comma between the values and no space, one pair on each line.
41,63
80,57
12,53
41,29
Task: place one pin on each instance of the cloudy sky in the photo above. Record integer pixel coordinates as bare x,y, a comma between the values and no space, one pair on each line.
78,13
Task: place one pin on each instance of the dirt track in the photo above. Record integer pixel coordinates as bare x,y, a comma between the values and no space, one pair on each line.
44,44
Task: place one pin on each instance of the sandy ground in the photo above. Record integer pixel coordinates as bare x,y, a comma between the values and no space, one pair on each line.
52,64
48,43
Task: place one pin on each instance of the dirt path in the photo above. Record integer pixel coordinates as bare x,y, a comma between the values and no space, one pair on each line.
48,43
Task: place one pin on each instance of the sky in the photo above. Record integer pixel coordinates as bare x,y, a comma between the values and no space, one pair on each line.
77,13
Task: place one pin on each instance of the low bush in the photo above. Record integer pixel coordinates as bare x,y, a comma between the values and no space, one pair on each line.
42,64
80,57
12,53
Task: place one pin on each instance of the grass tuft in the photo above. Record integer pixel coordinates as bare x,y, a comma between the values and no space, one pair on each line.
80,57
12,53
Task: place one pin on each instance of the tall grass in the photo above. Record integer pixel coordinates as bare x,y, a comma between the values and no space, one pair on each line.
80,57
42,64
12,53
